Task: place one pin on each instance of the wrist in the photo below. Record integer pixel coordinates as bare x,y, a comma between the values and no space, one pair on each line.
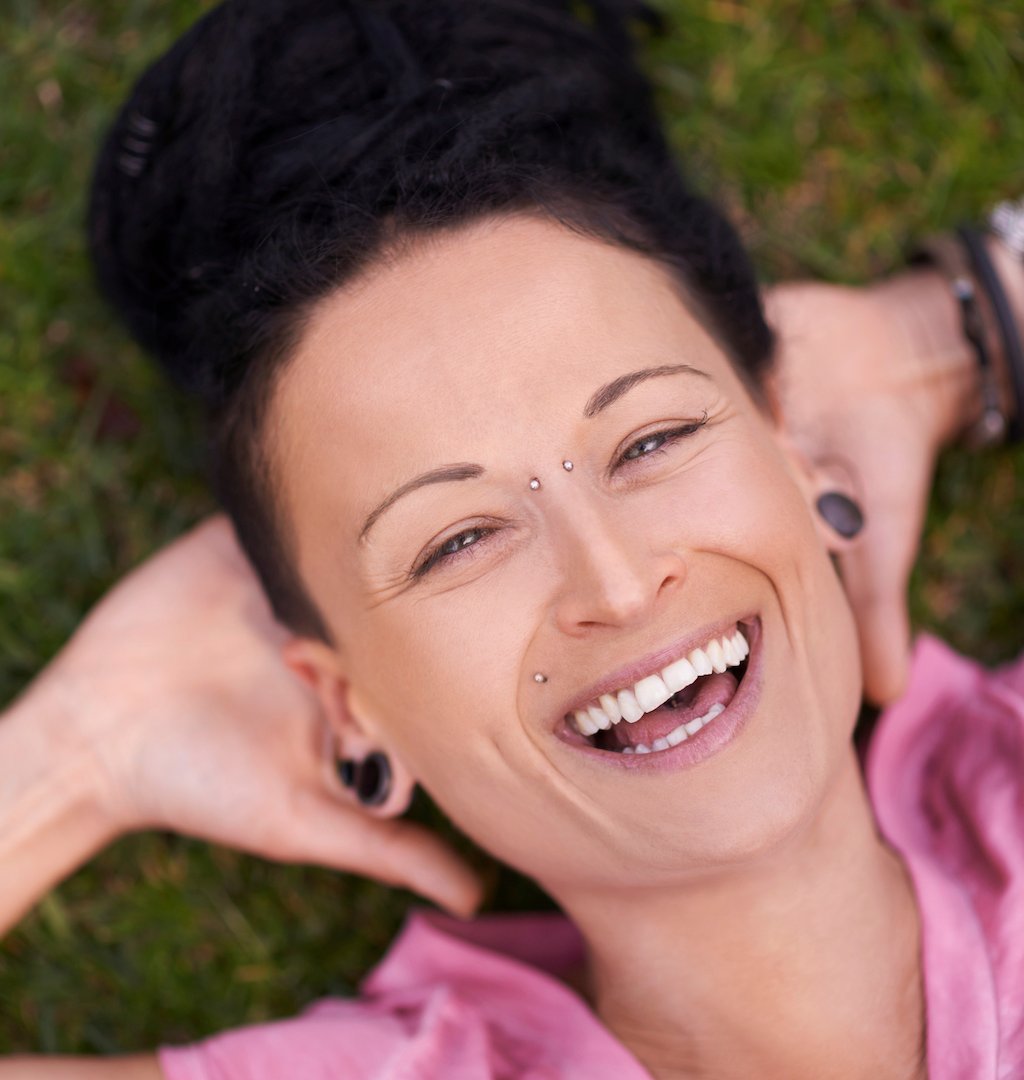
944,375
1010,271
52,816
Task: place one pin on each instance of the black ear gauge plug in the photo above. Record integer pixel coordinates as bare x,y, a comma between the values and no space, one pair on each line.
346,771
369,778
841,514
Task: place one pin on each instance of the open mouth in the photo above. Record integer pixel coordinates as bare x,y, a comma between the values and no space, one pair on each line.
670,705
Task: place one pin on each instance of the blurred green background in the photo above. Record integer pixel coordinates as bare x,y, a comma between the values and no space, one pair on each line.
835,132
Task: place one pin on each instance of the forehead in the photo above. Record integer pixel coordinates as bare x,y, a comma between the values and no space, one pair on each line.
502,304
468,343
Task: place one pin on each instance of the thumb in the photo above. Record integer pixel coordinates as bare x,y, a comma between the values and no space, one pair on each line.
390,850
883,626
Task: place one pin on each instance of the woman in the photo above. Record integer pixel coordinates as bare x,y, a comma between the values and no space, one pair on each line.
596,512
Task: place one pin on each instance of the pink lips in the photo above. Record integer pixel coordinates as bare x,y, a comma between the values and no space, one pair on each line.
709,740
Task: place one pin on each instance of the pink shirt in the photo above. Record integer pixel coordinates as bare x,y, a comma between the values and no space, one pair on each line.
481,1000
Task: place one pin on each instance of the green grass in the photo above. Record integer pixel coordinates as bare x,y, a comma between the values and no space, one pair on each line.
836,132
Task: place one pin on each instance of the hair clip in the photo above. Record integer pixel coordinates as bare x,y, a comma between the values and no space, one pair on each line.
137,144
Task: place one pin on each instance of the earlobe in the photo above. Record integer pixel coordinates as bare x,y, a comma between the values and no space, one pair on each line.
363,766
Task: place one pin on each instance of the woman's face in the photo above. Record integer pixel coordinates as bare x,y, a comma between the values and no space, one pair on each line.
404,437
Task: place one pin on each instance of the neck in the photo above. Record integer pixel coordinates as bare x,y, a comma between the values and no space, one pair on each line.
792,965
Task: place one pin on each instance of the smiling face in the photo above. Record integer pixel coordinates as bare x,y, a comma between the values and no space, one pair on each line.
404,435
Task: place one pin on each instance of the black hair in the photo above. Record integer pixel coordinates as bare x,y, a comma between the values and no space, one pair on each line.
280,146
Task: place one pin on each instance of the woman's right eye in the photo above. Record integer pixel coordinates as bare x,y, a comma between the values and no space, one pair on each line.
451,548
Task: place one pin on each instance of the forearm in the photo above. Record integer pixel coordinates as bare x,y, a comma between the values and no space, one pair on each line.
50,811
136,1067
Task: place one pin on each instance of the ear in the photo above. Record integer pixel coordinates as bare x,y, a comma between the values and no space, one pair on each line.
831,489
353,737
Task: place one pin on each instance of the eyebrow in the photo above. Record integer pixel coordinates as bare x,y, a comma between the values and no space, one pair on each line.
612,391
599,400
443,475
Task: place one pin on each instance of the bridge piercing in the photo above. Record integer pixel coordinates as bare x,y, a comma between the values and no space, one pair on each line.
535,484
567,465
539,678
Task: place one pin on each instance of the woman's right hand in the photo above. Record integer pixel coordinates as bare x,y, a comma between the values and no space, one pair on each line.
871,384
193,722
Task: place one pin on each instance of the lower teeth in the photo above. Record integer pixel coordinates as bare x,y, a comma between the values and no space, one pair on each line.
677,735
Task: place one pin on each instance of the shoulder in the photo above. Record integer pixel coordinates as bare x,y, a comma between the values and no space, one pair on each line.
339,1039
946,766
474,999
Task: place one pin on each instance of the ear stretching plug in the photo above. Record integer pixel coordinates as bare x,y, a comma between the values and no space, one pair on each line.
841,513
369,778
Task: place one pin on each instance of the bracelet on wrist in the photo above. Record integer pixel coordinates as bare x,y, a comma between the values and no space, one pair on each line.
945,252
990,329
1009,332
1007,222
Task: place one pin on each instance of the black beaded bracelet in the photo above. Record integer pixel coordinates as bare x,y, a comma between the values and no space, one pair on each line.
1007,222
1013,350
947,254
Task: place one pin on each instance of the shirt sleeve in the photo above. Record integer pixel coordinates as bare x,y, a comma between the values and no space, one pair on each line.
1011,676
336,1040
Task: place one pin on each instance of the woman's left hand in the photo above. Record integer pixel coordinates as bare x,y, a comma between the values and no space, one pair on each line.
176,689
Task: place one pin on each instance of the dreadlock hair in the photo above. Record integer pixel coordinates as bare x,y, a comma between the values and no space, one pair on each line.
280,146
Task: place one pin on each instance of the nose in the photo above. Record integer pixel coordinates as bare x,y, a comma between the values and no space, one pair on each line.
614,573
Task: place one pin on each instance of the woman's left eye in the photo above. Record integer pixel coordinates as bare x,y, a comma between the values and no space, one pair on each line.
658,440
451,549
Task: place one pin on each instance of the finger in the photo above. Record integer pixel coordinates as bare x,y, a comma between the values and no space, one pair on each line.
876,576
883,626
391,850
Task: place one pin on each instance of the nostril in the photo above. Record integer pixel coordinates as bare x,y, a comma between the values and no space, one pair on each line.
615,581
669,582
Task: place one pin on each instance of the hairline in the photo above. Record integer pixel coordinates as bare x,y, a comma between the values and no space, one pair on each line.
260,388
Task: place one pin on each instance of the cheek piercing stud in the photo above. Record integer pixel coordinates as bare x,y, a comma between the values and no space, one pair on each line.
567,465
535,484
539,678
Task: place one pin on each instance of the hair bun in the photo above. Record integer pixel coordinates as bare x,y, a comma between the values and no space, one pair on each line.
256,163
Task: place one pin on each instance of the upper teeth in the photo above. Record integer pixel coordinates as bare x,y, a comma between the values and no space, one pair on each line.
649,693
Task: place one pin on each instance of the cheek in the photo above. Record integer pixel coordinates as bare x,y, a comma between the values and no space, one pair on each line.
750,536
449,710
454,668
738,498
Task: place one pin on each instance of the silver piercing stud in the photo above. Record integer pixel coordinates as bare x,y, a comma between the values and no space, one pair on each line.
535,484
567,465
539,678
